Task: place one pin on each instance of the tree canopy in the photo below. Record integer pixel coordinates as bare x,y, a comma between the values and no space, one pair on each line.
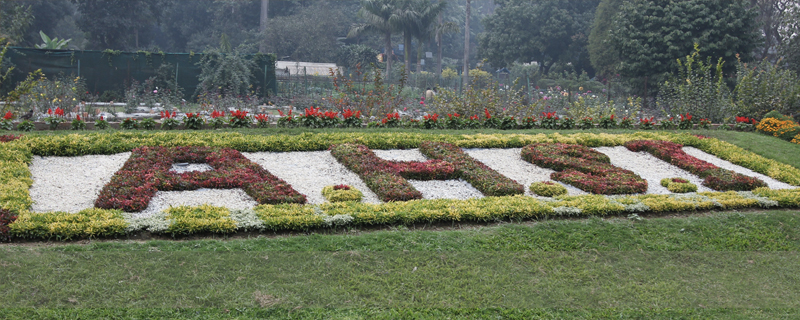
650,35
546,31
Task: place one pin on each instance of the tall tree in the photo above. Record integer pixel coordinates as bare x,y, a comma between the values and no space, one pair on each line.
263,24
465,73
651,35
379,17
770,19
790,37
118,24
546,31
425,26
603,56
15,19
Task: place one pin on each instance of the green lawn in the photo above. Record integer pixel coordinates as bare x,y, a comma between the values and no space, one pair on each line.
720,265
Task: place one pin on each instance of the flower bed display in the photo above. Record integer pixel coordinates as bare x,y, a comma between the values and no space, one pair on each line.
715,178
479,175
148,171
678,185
584,168
388,178
547,189
15,183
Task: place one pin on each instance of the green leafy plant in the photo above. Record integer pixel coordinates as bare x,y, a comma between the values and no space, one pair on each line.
193,121
678,185
78,124
240,119
101,124
129,124
340,193
54,43
26,126
547,189
626,123
168,120
608,122
147,124
567,123
586,124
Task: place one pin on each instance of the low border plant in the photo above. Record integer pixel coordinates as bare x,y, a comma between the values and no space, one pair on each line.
341,193
547,189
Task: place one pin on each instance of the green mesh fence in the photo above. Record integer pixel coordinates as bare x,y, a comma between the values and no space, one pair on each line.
111,71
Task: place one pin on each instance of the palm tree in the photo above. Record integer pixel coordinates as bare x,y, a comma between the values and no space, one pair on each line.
431,26
415,18
380,17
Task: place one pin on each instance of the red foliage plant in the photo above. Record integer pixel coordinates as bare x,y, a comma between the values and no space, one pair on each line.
148,171
584,168
714,177
9,137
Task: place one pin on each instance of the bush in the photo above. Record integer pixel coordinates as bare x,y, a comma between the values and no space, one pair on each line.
9,137
78,124
548,189
203,219
6,219
678,185
147,124
26,126
101,124
193,121
341,193
89,223
129,124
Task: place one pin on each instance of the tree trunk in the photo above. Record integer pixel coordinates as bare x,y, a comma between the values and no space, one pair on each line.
465,74
387,46
136,36
439,51
420,47
407,50
263,25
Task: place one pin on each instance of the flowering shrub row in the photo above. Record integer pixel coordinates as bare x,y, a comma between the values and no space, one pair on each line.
783,128
148,171
485,179
584,168
715,178
388,178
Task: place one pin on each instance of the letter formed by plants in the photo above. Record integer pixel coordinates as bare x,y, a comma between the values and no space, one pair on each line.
488,181
388,178
714,177
148,171
584,168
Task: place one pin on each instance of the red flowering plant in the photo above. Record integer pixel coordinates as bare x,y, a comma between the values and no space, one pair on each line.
388,178
626,123
148,171
486,180
490,122
9,137
549,120
584,168
647,124
472,122
454,121
351,119
101,123
704,124
586,123
54,118
744,124
608,122
430,121
262,120
528,122
240,119
78,123
715,178
193,121
217,119
667,124
314,118
168,120
341,187
687,122
287,120
5,123
392,120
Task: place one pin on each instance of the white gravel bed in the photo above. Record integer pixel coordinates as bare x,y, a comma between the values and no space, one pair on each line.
71,184
234,199
649,168
201,167
702,155
400,155
309,172
509,163
446,189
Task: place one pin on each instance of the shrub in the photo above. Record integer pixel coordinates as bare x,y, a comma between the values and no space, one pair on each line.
217,119
584,168
262,120
567,123
351,119
240,119
147,124
548,189
288,120
26,126
9,137
549,120
430,121
647,124
686,122
341,193
205,218
626,123
6,219
78,124
89,223
193,121
168,121
101,124
678,185
129,124
608,122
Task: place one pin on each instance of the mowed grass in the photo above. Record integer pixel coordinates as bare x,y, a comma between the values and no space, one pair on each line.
719,265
